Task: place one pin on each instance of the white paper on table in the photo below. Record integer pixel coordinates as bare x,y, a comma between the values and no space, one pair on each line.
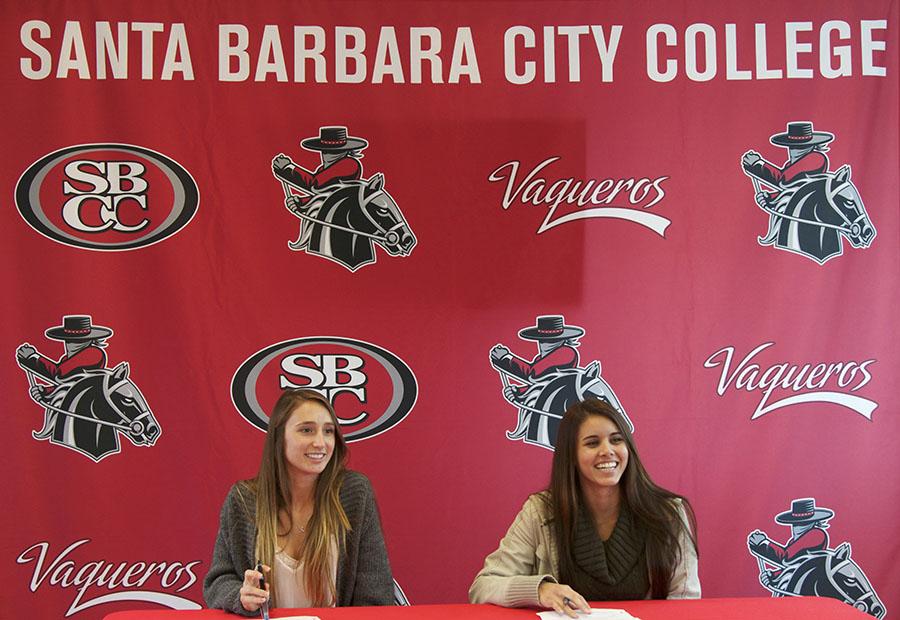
596,614
298,618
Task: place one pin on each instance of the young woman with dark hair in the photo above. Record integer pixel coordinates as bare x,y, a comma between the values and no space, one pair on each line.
312,523
602,530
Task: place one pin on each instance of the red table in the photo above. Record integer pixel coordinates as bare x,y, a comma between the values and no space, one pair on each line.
799,608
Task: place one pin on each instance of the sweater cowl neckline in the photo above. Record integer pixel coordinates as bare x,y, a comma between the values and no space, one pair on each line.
612,561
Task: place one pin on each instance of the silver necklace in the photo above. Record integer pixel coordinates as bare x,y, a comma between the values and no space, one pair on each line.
302,528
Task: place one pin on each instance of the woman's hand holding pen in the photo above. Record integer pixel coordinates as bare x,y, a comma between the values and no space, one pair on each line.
562,598
252,596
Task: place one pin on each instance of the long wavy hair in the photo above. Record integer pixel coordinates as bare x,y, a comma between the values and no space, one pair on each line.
654,509
328,526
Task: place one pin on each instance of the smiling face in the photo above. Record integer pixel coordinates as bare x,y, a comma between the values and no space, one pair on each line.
602,453
309,437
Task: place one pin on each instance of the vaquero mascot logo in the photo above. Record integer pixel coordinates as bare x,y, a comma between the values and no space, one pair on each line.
86,405
806,566
542,389
342,214
811,209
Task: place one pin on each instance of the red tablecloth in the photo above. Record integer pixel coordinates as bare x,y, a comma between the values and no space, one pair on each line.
800,608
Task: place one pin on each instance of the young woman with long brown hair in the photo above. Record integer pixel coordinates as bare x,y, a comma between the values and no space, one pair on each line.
602,530
311,522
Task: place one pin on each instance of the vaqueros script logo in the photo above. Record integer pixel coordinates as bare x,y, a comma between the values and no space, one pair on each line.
805,564
780,384
542,389
107,197
372,389
343,215
811,209
86,405
567,199
97,582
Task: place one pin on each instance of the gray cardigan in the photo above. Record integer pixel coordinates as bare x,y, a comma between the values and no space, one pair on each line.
363,572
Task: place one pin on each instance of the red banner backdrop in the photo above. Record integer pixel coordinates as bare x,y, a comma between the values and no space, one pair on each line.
701,197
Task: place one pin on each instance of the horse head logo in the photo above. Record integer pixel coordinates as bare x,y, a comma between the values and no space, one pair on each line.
542,405
812,216
831,573
345,220
88,411
851,584
384,216
847,206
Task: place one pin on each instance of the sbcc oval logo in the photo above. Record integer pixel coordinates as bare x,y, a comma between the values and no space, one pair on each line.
107,197
371,389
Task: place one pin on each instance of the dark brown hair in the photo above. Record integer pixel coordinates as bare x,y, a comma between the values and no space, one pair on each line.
655,510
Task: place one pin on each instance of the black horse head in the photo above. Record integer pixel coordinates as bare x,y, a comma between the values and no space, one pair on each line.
546,400
831,573
848,209
88,411
345,220
812,215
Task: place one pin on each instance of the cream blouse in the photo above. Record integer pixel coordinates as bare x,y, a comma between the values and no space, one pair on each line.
290,582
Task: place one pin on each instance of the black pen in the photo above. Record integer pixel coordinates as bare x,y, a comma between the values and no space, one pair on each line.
264,608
